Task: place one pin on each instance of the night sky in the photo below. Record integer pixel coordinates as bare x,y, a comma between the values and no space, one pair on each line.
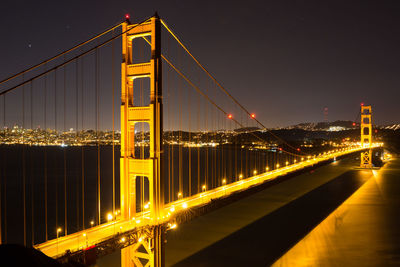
284,60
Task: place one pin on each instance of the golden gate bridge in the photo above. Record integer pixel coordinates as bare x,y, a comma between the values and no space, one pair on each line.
184,142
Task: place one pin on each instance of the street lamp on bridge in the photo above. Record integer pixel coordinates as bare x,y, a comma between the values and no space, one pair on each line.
109,217
58,234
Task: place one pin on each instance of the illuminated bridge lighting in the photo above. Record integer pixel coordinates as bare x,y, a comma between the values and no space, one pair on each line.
101,232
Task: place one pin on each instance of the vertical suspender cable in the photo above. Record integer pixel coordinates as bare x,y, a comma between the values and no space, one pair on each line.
4,176
210,134
236,157
32,178
5,198
23,160
168,94
169,129
142,125
45,153
76,137
143,140
172,148
4,111
31,104
207,148
223,163
97,136
215,148
82,151
218,153
198,148
65,154
1,181
1,195
241,151
190,155
55,128
211,147
180,134
172,157
97,131
113,122
246,152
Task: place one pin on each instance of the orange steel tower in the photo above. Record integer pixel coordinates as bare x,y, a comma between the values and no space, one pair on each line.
149,250
366,136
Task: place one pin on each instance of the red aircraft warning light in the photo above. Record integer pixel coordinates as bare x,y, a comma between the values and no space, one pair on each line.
354,124
253,115
230,116
127,16
362,103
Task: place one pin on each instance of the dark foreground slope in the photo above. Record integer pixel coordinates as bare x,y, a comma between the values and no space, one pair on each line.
16,255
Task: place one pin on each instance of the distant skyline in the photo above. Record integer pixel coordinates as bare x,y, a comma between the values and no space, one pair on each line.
284,60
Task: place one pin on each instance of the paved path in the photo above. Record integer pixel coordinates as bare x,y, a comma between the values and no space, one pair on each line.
259,229
363,231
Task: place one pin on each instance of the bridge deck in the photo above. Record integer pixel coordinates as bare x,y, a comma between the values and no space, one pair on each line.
265,219
81,240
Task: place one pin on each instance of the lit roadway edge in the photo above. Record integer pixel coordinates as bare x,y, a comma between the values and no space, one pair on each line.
91,236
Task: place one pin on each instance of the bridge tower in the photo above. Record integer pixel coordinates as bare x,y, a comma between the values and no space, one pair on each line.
366,136
149,250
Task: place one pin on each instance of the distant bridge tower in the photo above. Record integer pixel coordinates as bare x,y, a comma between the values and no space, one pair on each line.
149,249
366,136
325,114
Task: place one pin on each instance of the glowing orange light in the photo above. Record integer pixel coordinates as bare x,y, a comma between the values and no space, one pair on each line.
230,116
253,115
298,149
88,248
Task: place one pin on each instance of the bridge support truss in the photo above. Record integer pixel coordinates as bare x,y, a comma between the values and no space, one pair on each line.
366,136
149,250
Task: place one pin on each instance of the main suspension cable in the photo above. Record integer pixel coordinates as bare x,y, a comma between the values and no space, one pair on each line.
61,54
72,59
220,86
210,100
